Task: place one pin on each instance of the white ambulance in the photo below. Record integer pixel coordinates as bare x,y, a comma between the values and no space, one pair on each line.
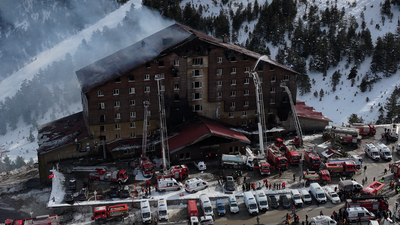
162,210
145,211
372,151
168,184
195,184
384,152
356,212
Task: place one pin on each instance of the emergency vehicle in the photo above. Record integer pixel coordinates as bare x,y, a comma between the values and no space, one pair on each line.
114,212
384,151
168,184
372,152
39,220
162,210
291,152
195,184
322,220
365,129
371,203
119,176
375,188
355,212
395,169
277,159
321,176
312,159
345,168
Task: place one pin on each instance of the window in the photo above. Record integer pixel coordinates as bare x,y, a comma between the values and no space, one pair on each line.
233,82
100,93
244,113
272,89
286,77
273,79
233,104
147,89
181,156
161,63
148,65
133,135
244,123
197,61
117,104
219,59
148,124
197,84
176,87
245,57
176,98
116,91
131,90
246,103
231,115
131,78
246,80
132,114
132,125
233,58
234,149
117,126
148,113
102,128
260,66
147,77
187,155
271,67
219,83
219,94
272,100
233,70
131,102
219,71
176,62
117,136
102,118
197,73
246,92
270,111
117,116
118,80
261,79
160,76
247,69
175,73
233,93
197,108
101,105
197,96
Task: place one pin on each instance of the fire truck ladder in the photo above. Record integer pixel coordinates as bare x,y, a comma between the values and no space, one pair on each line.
262,127
163,123
146,104
296,118
369,197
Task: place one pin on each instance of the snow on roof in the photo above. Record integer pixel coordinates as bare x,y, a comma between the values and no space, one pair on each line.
306,111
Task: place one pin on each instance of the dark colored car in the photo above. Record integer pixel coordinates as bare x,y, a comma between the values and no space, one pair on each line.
83,194
114,192
125,192
284,201
69,197
273,202
72,184
230,185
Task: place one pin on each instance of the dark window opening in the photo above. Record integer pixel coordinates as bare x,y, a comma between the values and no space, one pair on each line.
245,57
181,156
102,118
160,63
233,58
260,66
102,128
148,65
271,67
176,97
131,78
176,74
118,80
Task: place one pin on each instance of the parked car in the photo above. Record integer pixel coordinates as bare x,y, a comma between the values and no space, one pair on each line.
83,194
220,207
273,202
284,200
332,195
230,185
69,197
114,191
125,192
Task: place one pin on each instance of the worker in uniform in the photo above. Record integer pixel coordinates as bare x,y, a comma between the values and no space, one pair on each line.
397,189
382,180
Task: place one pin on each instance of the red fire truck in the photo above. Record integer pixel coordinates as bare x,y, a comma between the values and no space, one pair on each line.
296,141
277,159
118,176
371,203
365,129
263,166
375,188
114,212
146,166
177,172
395,169
346,168
39,220
312,159
322,176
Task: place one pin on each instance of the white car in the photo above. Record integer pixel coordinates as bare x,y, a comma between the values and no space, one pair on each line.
398,147
332,195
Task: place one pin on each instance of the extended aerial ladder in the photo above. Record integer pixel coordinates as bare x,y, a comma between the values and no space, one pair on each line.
295,117
163,124
146,104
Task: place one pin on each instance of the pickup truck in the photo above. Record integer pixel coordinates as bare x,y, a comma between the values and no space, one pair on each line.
200,165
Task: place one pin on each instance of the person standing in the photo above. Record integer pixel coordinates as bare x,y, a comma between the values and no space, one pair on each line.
294,177
365,168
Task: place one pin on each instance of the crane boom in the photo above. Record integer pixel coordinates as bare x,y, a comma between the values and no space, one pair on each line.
296,118
163,123
146,104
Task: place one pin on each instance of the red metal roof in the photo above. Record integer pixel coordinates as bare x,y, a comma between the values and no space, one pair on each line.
205,128
306,111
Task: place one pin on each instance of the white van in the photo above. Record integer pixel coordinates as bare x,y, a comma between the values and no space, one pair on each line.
205,205
296,198
332,195
305,196
195,184
250,203
317,192
372,151
355,212
168,184
262,200
162,210
145,211
384,152
326,220
233,205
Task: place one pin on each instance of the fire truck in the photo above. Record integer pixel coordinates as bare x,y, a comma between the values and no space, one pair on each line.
365,129
345,135
296,142
277,159
290,151
118,176
263,167
114,212
354,158
177,172
395,169
346,168
322,176
371,203
146,166
375,188
312,159
39,220
248,161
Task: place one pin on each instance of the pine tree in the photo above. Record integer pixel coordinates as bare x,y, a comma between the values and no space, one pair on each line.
321,93
391,107
377,62
353,118
353,73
